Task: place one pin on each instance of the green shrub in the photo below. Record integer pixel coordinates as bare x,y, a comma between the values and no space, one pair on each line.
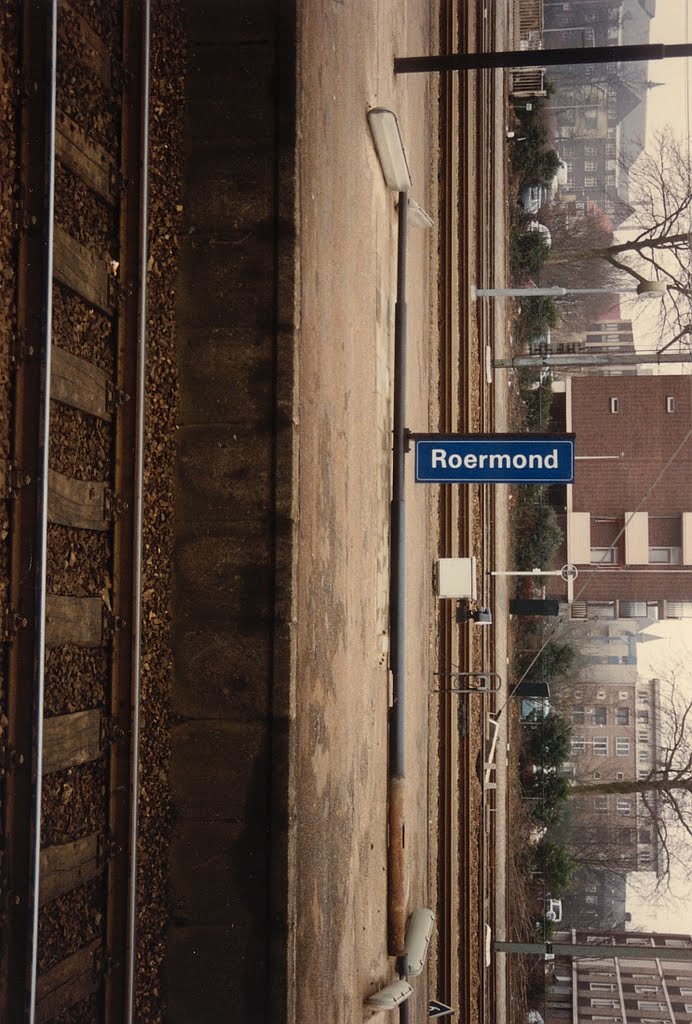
537,532
538,402
550,790
528,252
538,314
555,864
549,743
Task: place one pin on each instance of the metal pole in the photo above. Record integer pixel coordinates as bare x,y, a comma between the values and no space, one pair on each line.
397,760
398,539
594,951
584,359
542,58
554,291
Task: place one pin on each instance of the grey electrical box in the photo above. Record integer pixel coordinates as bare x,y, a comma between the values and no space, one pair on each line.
455,578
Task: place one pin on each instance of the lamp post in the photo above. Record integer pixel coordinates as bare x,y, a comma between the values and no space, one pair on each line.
389,146
651,288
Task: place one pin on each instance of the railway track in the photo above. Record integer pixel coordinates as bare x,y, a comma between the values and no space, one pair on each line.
71,629
452,192
465,515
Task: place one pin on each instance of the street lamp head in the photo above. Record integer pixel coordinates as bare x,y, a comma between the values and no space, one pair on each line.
384,127
416,216
659,288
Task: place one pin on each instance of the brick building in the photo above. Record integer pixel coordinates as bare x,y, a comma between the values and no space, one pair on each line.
619,990
627,517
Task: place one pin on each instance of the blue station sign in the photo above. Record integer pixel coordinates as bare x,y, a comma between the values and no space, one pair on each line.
494,458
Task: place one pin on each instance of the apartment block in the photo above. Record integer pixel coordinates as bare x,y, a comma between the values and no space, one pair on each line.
606,989
615,740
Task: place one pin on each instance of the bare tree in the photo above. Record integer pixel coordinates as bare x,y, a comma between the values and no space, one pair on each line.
665,789
657,234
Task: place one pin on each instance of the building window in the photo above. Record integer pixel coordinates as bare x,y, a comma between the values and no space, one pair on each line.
622,746
600,716
670,404
643,773
605,556
643,757
590,181
591,166
578,715
647,990
643,737
664,556
596,775
643,717
643,698
601,695
578,744
614,404
601,986
622,715
639,609
655,1007
644,835
619,776
603,1003
600,803
600,745
624,805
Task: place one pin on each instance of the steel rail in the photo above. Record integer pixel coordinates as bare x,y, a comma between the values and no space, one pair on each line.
138,517
42,498
448,89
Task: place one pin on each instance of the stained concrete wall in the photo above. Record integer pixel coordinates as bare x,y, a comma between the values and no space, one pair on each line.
230,885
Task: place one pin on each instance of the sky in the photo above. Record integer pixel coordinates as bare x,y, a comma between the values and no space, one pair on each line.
673,913
668,104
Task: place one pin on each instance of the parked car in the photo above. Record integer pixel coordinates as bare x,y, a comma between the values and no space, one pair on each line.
533,197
